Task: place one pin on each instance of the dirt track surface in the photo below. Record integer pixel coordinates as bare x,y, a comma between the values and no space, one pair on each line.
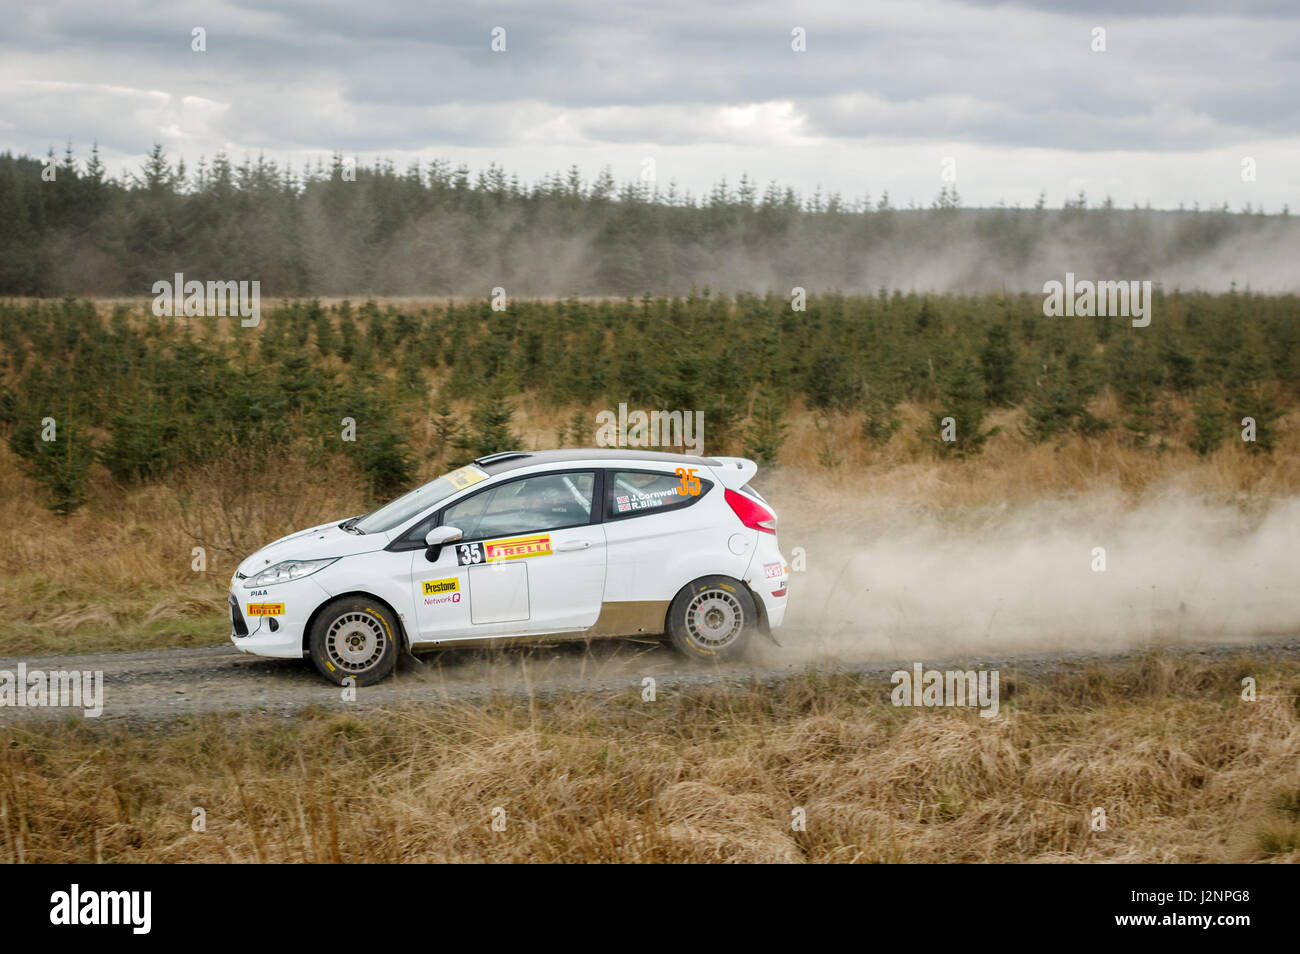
156,687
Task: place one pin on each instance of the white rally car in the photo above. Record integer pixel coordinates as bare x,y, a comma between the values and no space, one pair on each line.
580,543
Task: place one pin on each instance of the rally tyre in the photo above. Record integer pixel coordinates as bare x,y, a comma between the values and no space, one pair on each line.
355,636
712,618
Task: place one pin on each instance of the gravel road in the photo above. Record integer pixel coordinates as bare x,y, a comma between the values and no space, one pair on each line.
156,687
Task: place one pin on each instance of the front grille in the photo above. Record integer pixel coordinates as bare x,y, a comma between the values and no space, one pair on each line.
237,618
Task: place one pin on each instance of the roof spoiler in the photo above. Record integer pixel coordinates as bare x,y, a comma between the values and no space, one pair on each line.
734,472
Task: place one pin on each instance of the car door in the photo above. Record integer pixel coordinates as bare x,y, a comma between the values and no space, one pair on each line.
441,596
653,529
531,560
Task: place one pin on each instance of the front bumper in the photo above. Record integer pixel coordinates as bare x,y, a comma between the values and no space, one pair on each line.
273,621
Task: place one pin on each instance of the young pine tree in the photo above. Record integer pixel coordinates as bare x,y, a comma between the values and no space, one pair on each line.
61,464
1209,420
765,432
445,429
489,432
998,364
962,411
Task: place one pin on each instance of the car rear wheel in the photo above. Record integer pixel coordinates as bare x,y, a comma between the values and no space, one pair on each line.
712,618
355,636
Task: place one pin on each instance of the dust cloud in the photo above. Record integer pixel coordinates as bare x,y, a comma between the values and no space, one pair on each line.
967,251
908,585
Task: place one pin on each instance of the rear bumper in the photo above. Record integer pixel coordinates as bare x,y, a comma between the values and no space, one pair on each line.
769,580
774,610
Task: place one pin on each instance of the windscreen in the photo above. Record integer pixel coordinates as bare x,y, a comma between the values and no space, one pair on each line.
392,515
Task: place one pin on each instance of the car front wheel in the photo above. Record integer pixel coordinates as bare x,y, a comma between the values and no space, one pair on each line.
355,636
712,618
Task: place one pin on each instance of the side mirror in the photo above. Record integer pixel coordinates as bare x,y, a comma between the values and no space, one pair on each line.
441,535
435,538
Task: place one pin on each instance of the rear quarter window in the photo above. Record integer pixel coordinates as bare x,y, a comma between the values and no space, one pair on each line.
637,493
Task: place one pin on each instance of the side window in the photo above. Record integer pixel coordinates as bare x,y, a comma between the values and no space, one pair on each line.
634,493
544,502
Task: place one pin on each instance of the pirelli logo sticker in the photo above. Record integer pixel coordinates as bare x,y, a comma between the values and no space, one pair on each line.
495,551
433,587
265,609
465,477
518,547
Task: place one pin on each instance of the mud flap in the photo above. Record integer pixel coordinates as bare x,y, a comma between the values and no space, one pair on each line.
763,627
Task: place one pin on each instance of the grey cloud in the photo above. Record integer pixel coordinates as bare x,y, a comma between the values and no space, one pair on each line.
307,74
1263,9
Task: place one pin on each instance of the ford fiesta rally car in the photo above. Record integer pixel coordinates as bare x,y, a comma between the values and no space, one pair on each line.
581,543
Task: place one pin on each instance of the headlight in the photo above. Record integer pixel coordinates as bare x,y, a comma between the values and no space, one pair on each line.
286,571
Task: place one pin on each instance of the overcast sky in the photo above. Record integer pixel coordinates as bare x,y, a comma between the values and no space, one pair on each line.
886,91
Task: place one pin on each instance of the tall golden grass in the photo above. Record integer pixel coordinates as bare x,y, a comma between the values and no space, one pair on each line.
118,574
1183,769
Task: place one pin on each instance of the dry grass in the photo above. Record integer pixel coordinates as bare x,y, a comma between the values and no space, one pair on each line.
1184,770
118,573
1013,470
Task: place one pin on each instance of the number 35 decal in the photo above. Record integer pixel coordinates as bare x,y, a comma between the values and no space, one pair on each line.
469,553
690,486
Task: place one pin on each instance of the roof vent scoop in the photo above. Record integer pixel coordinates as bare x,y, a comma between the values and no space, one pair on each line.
504,455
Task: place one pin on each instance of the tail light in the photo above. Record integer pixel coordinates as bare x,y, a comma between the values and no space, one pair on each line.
751,514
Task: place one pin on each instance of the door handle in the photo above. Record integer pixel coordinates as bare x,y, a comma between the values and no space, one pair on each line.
574,545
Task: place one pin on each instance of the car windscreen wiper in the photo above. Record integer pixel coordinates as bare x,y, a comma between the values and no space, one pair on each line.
350,525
